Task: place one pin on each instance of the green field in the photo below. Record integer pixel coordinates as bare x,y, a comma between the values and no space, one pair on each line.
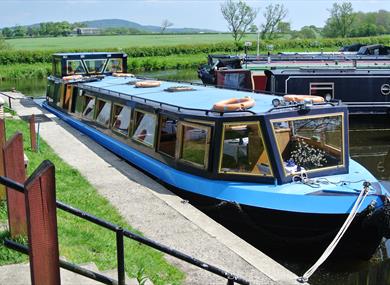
86,42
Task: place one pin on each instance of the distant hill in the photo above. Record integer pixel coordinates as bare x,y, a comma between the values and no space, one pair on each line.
118,23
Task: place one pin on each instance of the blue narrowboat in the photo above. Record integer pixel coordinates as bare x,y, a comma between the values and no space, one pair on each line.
285,168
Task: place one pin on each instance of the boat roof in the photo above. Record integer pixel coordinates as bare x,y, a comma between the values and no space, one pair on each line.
201,97
329,71
88,53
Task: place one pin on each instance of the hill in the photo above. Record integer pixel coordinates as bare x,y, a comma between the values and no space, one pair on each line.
118,23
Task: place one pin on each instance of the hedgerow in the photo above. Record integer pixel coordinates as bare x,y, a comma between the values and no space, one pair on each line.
44,56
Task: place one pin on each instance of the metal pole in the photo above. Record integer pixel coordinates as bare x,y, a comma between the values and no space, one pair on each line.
120,256
39,124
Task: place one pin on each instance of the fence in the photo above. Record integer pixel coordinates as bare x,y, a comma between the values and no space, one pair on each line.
33,211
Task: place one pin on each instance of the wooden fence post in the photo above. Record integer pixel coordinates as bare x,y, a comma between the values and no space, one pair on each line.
15,170
2,143
33,134
41,211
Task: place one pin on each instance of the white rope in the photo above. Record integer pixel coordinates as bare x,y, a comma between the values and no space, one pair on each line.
358,203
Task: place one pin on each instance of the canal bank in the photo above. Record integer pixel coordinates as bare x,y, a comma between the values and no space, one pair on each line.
155,211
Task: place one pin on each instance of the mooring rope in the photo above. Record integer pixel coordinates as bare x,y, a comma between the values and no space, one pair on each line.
358,203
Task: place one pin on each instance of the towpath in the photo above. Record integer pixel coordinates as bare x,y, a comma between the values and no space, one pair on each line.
157,212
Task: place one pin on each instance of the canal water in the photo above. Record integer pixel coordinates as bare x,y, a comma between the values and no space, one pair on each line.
369,145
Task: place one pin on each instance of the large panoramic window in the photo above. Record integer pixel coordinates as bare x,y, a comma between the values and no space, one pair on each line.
195,144
103,112
144,127
114,65
243,150
95,65
167,136
74,67
121,119
89,107
310,143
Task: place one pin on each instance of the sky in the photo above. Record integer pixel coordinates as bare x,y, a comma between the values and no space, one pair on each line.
182,13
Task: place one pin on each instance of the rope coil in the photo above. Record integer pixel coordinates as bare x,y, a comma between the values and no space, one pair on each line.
358,203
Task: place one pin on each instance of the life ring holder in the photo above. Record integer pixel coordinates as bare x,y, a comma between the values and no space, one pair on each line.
234,104
147,84
301,98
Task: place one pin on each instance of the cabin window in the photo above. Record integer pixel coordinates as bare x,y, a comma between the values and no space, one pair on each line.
195,144
95,65
57,70
103,112
324,90
114,65
74,67
144,127
243,150
311,143
121,119
89,107
167,136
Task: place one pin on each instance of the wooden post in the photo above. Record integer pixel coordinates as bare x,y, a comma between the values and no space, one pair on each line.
2,143
41,211
33,134
15,170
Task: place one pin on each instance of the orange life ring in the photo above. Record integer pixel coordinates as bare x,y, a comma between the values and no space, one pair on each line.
301,98
122,74
72,77
145,84
234,104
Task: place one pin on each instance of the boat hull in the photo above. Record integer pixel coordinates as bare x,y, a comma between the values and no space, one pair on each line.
269,229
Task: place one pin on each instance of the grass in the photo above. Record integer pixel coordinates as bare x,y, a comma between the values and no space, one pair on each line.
124,41
83,242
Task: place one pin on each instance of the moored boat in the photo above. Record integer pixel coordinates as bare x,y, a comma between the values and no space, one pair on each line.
284,169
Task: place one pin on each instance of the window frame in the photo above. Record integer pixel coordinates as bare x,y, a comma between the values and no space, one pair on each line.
180,144
317,170
96,114
107,64
85,104
91,59
159,136
263,141
112,119
135,110
75,73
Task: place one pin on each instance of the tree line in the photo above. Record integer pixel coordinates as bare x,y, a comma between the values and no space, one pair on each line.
343,22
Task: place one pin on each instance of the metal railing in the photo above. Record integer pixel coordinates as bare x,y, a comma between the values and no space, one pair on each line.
120,235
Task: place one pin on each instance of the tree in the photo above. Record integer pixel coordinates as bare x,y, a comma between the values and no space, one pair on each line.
165,24
239,17
283,27
339,24
274,14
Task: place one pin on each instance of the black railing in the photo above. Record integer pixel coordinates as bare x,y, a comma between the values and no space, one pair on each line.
120,234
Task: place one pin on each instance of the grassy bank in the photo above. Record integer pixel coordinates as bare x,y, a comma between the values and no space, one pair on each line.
80,241
42,70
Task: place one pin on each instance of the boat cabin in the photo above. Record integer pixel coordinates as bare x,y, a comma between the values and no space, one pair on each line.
178,127
365,91
96,63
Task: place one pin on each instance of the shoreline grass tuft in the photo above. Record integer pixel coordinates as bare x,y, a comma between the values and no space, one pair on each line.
83,242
